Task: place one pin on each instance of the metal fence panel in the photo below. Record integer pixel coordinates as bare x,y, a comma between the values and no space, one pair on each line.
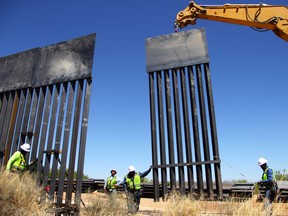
66,61
182,115
48,107
16,70
176,50
62,62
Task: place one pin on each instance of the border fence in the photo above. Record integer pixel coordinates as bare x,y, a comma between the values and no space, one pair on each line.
44,100
183,126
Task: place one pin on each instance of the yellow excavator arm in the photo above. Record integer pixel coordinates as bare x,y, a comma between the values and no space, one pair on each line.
257,16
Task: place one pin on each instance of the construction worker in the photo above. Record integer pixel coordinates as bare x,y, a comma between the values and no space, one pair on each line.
132,185
269,183
17,162
112,182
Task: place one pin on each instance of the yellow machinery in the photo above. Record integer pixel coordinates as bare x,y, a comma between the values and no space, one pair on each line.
260,17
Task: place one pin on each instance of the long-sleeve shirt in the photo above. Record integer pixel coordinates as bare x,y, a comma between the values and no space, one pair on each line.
270,176
141,174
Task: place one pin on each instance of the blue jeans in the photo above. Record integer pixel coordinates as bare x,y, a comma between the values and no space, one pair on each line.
270,195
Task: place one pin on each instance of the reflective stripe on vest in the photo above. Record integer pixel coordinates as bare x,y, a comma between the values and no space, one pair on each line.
111,182
135,182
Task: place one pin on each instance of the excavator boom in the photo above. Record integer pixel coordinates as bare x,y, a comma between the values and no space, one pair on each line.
257,16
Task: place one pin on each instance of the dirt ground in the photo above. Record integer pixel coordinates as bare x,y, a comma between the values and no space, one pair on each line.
150,208
147,206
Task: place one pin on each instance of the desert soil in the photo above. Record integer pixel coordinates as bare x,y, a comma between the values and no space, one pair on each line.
150,208
147,206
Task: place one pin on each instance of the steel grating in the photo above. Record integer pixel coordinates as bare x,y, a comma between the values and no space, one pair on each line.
45,101
183,126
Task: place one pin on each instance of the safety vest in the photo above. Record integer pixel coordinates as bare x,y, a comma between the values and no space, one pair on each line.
134,183
111,182
270,185
264,175
17,162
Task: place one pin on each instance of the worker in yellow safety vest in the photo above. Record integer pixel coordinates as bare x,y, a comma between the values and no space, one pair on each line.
112,182
269,183
133,188
17,162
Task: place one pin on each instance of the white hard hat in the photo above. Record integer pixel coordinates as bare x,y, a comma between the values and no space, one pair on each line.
131,168
262,161
25,147
113,170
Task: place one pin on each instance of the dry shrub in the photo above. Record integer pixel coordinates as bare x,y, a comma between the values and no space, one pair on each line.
20,195
180,205
237,207
252,208
176,205
104,206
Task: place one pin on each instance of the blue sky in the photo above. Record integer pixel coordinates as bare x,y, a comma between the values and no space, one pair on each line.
248,71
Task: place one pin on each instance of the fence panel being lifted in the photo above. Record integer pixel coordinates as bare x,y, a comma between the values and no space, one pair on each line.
184,140
44,100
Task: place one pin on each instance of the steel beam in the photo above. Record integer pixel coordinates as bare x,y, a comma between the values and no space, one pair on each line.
153,135
170,137
213,127
195,125
178,132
